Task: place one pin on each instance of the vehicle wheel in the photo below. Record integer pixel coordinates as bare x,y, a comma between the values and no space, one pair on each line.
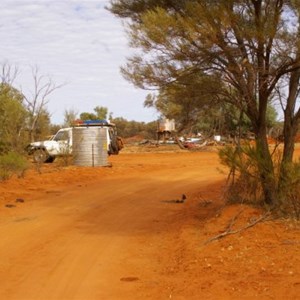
114,145
110,150
40,156
50,159
120,143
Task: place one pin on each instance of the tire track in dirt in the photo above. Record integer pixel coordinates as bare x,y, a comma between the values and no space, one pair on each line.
83,243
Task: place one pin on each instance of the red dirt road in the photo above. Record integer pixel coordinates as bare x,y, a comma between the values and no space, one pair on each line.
118,233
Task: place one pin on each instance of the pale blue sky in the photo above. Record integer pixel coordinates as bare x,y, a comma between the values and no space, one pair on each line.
72,41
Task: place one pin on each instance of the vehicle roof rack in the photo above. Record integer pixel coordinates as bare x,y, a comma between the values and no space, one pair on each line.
92,123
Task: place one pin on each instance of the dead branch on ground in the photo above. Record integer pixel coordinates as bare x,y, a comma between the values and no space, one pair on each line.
230,231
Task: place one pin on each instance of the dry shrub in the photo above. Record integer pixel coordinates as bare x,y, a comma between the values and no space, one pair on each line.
244,183
65,160
290,205
12,163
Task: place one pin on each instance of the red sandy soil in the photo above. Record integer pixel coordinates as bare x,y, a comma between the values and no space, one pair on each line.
118,233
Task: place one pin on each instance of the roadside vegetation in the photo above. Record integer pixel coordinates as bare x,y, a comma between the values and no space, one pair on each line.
226,58
12,163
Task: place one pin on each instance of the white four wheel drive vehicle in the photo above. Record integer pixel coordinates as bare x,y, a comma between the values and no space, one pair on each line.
61,143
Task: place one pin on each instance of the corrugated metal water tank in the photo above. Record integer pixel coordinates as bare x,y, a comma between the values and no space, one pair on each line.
166,125
90,146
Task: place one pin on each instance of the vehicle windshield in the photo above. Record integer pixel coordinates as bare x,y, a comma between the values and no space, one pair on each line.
61,136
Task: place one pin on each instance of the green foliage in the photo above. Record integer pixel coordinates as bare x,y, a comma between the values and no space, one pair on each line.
54,128
134,9
271,117
244,184
100,114
125,128
43,125
133,128
70,115
248,46
13,117
12,163
290,191
188,99
87,116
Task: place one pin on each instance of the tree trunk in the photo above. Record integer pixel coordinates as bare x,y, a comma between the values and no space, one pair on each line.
266,168
289,133
32,130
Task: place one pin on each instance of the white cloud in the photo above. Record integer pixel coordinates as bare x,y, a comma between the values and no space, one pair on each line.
78,42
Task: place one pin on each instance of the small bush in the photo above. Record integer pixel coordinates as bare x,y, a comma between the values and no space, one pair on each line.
291,197
243,180
12,163
65,159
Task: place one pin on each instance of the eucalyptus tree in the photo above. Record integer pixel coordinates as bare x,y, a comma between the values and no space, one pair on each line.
187,99
100,114
70,116
13,116
37,99
252,45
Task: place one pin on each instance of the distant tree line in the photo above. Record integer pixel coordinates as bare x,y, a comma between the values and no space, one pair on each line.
125,128
23,117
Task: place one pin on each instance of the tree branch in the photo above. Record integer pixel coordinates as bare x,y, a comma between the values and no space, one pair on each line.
230,231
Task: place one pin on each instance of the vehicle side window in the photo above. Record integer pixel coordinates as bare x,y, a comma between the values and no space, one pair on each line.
62,136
